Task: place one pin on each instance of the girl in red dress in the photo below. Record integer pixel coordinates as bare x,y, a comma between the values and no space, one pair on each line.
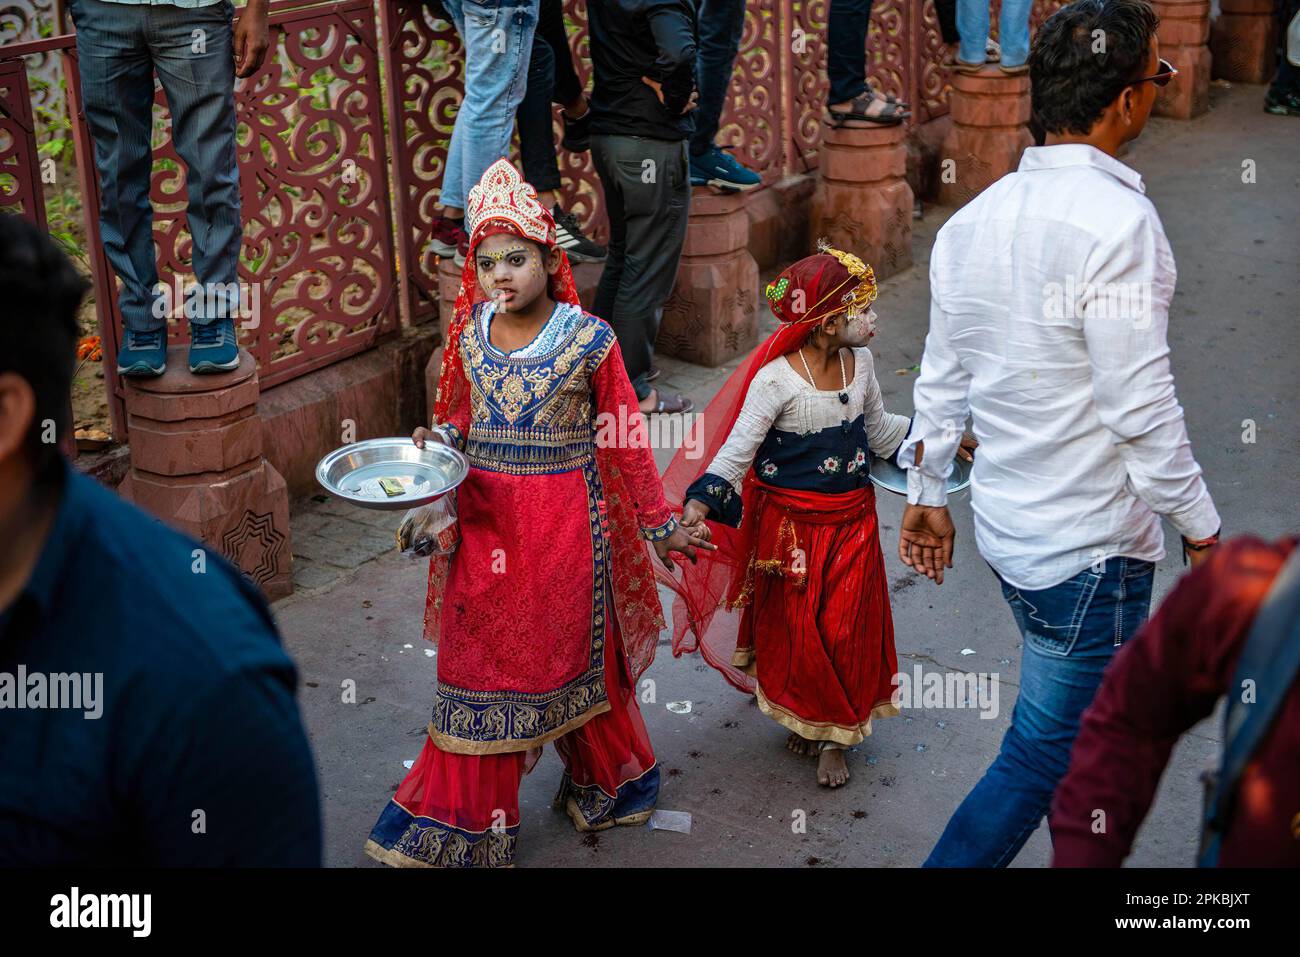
793,607
547,613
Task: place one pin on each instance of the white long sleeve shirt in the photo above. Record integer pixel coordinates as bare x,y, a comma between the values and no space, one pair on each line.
1050,302
780,398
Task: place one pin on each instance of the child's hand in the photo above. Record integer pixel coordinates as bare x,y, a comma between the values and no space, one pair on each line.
694,512
422,435
684,540
966,451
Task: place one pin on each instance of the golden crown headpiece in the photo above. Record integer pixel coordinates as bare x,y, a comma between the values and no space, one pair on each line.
503,194
864,293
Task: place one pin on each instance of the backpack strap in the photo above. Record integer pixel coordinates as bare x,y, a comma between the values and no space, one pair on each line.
1270,660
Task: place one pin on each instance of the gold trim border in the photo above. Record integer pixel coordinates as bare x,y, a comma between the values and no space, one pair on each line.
818,731
452,745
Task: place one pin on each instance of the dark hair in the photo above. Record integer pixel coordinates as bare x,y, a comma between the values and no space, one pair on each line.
39,295
1071,85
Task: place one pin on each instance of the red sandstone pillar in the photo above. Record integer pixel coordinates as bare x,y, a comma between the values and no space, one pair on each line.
448,287
1183,32
1243,41
196,463
989,112
712,314
862,203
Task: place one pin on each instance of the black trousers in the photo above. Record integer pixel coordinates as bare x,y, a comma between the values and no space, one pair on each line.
551,79
648,196
846,49
720,25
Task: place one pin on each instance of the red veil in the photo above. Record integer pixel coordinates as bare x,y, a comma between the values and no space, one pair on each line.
806,293
636,599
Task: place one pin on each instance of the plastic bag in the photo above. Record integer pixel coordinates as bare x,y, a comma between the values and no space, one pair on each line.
431,529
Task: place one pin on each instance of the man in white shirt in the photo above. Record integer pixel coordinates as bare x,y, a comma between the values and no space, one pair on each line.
1050,303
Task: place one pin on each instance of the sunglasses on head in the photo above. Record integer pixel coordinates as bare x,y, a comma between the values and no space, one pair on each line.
1164,73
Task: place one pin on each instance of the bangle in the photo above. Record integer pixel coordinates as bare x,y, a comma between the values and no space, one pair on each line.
1199,545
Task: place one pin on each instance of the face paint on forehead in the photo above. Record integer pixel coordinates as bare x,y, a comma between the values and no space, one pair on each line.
498,257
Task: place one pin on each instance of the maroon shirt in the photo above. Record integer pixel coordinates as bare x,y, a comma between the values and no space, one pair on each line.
1166,679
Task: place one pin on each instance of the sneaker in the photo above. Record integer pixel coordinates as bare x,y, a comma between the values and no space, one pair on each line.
577,133
462,251
213,347
718,168
1288,105
448,235
143,354
569,235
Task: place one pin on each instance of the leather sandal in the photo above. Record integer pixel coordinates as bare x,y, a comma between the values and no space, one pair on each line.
891,115
674,405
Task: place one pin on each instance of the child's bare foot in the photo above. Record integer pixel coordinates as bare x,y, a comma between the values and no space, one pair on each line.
831,769
801,746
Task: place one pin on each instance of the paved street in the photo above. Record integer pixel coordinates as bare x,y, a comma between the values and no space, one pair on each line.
357,612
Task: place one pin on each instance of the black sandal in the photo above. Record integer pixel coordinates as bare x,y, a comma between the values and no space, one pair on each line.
891,115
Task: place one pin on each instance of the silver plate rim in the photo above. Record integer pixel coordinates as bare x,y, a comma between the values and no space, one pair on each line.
392,504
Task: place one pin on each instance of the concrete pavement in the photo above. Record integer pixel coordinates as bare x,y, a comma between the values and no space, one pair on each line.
1236,358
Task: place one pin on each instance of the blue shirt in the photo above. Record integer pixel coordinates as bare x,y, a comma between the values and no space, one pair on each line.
198,755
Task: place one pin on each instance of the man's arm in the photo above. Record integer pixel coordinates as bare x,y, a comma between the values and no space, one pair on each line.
252,38
673,28
1125,320
941,400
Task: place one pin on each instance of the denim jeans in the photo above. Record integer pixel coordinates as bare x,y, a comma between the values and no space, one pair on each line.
1287,79
119,47
1013,30
1070,632
498,39
846,53
720,25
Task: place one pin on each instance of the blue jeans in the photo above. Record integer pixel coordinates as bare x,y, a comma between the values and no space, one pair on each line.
721,23
119,47
1013,30
1070,632
498,40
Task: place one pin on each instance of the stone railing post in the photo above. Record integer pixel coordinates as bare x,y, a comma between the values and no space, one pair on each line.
196,463
863,203
712,314
1243,41
990,113
1183,32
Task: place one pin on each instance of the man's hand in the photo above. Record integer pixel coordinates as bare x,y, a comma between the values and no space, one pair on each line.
925,540
252,38
966,451
655,85
684,540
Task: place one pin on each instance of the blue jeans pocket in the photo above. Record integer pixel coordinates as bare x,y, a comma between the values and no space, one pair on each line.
482,12
1050,619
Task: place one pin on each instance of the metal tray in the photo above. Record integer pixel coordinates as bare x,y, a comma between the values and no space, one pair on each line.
353,472
885,474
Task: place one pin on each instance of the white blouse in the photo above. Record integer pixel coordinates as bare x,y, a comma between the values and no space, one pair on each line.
783,399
